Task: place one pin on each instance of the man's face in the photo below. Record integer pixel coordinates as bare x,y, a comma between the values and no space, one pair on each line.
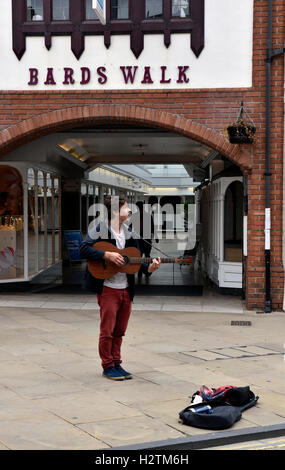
124,211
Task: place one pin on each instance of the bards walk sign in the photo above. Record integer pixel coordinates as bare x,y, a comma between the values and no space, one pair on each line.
183,44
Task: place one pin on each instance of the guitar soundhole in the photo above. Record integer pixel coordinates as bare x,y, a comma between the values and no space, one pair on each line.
126,260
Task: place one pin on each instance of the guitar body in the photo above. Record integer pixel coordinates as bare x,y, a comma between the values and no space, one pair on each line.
105,269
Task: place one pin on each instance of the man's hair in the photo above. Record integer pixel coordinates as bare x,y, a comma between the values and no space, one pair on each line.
114,202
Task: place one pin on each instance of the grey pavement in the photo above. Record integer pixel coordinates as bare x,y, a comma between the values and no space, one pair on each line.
53,395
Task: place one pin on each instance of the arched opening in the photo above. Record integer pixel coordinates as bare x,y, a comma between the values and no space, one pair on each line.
233,226
220,234
73,153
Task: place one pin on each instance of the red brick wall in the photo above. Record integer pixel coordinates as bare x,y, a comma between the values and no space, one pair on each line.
201,114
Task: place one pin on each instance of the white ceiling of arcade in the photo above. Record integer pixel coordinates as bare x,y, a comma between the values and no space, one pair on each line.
147,152
143,152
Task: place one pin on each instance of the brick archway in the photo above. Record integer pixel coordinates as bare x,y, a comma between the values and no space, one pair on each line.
54,121
58,120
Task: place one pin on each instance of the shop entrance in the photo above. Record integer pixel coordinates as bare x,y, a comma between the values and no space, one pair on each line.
67,172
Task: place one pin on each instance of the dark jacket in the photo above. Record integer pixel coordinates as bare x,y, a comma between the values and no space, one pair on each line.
89,253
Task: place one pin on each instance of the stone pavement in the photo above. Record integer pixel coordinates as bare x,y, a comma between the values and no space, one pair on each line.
53,395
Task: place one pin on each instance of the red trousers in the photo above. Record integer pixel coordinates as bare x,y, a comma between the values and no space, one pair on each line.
115,309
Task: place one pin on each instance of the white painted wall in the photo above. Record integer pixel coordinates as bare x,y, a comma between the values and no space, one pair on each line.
225,62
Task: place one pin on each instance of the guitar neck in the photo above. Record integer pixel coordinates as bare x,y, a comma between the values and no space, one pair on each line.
149,260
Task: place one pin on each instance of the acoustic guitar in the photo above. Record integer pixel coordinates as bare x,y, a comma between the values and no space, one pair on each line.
132,258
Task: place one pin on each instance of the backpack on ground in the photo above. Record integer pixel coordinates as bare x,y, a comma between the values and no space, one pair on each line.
218,408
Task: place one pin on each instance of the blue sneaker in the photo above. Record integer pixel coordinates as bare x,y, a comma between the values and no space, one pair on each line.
112,373
123,372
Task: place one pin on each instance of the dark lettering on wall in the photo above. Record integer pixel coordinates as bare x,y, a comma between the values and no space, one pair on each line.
68,76
102,76
182,77
34,80
163,79
147,76
85,75
129,73
49,79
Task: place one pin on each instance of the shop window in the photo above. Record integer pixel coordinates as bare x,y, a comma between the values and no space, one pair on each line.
89,11
83,189
90,203
180,8
50,220
97,194
11,224
91,194
57,223
119,9
153,9
60,9
32,223
41,221
84,208
35,10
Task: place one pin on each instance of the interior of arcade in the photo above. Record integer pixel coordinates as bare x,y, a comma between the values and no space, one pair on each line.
49,186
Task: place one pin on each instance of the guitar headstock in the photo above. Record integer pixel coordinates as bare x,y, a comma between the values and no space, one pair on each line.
184,260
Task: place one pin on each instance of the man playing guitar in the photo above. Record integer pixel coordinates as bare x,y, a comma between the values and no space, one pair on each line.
114,294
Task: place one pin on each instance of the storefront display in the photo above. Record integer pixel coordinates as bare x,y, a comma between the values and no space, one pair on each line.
11,223
28,244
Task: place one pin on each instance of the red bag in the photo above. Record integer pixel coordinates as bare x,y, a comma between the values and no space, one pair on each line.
215,394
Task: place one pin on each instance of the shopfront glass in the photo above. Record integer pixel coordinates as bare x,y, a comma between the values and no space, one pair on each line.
84,201
41,221
44,222
89,197
42,201
50,219
11,224
56,206
32,222
97,194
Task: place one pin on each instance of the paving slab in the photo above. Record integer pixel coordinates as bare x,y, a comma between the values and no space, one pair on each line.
232,352
258,350
44,383
130,430
206,355
45,431
86,406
